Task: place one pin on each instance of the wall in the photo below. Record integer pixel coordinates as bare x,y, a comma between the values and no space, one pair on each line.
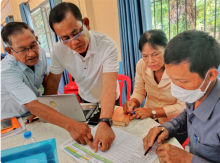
103,18
3,3
103,15
2,50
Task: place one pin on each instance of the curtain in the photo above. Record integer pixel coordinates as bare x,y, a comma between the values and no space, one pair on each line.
9,19
53,3
26,14
134,19
64,78
146,14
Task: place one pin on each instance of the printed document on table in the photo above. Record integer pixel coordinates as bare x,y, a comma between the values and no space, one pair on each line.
126,148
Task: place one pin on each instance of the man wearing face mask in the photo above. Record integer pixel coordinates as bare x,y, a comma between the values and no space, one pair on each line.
191,60
92,59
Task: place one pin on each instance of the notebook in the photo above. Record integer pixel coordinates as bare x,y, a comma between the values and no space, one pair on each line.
14,125
120,118
16,129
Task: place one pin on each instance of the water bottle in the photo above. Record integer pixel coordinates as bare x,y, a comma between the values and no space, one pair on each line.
28,138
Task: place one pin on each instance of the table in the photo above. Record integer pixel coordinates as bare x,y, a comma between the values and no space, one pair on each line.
42,131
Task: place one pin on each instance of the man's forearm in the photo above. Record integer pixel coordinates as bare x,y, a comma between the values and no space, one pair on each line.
49,115
108,103
45,81
108,97
199,159
52,84
178,124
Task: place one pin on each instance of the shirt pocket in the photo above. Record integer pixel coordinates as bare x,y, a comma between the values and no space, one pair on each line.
208,152
39,81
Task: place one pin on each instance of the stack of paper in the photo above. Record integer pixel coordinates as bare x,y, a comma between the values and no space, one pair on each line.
16,131
126,148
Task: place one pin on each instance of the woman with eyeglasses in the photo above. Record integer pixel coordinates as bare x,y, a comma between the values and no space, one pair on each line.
152,80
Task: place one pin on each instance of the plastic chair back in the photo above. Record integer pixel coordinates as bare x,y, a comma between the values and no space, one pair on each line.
185,143
121,80
71,87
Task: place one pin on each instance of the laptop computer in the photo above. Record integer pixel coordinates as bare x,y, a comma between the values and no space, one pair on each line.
68,105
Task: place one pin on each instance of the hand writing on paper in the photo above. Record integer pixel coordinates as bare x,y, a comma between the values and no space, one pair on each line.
104,137
152,134
29,119
129,106
142,113
81,133
173,154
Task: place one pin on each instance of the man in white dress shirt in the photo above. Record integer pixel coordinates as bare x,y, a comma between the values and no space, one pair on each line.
92,59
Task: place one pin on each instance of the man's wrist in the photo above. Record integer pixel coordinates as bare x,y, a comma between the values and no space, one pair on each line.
103,124
69,124
108,121
106,114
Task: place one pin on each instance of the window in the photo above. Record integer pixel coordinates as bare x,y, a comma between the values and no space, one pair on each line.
176,16
40,18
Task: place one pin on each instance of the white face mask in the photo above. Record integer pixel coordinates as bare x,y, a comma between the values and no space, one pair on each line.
189,96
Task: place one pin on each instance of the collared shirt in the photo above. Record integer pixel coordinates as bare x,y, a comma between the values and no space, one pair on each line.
203,127
20,85
158,95
101,57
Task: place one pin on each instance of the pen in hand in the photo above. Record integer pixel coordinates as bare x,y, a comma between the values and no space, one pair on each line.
28,121
154,142
133,112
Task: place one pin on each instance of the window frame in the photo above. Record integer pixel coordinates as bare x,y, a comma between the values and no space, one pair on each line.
179,10
49,34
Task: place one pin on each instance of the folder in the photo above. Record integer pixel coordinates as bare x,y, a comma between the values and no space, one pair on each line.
14,126
120,118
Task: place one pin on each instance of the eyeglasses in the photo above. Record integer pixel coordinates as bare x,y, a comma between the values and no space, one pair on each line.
24,52
152,56
74,37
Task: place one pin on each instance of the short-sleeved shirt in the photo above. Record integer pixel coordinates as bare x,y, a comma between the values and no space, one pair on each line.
158,94
101,57
203,127
20,85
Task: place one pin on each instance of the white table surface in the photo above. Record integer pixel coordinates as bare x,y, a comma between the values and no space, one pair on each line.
42,131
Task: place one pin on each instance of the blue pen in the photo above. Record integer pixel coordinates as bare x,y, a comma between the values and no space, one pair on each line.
196,139
133,112
35,119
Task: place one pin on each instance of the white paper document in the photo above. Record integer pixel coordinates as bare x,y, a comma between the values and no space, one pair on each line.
126,148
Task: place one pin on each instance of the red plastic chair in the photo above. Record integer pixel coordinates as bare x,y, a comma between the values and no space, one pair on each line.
71,87
121,80
185,143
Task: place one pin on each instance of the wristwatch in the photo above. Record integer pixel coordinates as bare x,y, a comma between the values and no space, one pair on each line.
154,114
107,120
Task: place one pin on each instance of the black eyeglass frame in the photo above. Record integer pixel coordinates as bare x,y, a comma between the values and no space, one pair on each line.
38,42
